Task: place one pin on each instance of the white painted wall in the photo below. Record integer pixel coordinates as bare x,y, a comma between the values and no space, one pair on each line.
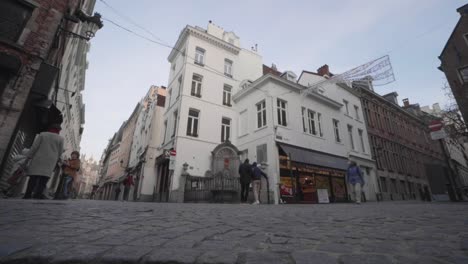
197,151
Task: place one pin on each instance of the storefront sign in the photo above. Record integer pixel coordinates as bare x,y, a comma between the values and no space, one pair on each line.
323,196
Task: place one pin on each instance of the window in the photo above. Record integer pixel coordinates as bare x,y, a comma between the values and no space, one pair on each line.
228,68
165,131
356,109
243,123
464,74
361,138
319,121
350,133
281,110
196,85
175,125
13,18
336,128
179,83
383,183
311,119
173,66
261,114
227,95
225,129
346,106
192,123
304,119
262,153
199,56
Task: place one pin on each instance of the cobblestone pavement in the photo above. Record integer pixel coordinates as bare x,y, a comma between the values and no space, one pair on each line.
84,231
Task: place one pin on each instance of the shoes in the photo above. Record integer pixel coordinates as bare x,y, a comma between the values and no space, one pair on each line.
256,203
27,197
358,203
41,197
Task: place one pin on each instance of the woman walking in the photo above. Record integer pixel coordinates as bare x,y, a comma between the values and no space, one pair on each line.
44,155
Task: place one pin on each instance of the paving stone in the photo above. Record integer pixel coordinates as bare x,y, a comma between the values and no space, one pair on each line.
364,259
265,258
218,257
312,257
335,248
175,255
125,254
416,260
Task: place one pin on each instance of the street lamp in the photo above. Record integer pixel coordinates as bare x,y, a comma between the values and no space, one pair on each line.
92,24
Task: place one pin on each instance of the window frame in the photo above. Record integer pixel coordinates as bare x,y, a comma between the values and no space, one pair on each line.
165,131
351,138
304,111
361,138
200,56
346,104
311,122
227,95
179,82
336,130
463,80
282,112
175,115
356,110
29,8
261,114
191,127
226,129
228,64
194,89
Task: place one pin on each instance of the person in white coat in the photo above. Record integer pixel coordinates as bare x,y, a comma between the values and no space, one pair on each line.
44,155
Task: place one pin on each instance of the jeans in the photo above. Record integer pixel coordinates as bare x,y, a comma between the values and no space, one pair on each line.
355,190
36,186
68,180
244,191
256,185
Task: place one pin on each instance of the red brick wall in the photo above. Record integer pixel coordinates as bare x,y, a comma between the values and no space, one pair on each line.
33,47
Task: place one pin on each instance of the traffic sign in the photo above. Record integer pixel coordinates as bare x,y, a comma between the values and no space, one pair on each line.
173,152
436,125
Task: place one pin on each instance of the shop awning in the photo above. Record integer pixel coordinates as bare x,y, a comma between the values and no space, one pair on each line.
314,158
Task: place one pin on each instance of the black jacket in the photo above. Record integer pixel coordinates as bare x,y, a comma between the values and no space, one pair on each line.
245,172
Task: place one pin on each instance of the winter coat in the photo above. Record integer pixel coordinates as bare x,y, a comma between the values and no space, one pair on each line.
44,154
245,172
354,175
257,173
72,168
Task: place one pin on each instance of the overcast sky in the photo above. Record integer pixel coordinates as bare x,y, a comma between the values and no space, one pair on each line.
295,35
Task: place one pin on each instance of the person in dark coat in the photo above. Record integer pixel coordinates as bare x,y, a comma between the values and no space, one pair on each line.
117,192
257,173
128,183
245,173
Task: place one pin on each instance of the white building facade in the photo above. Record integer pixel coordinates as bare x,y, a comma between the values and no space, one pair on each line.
146,139
207,67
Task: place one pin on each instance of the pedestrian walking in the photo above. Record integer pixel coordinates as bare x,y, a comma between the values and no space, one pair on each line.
355,181
44,155
117,192
257,174
128,183
245,177
70,172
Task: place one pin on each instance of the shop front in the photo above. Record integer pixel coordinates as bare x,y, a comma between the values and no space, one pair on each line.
307,176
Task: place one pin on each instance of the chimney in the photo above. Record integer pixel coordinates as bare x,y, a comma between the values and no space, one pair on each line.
273,66
406,102
322,71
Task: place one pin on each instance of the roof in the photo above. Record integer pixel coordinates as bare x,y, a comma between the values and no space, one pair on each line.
267,70
289,84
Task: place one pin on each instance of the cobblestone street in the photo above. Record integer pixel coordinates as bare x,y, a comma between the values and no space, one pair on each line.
84,231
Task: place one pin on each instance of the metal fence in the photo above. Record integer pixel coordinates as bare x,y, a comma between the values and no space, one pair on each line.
217,189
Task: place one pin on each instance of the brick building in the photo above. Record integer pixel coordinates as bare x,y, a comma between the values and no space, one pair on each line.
454,61
34,36
408,161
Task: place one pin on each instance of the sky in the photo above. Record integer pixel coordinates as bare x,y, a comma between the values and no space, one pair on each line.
294,35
